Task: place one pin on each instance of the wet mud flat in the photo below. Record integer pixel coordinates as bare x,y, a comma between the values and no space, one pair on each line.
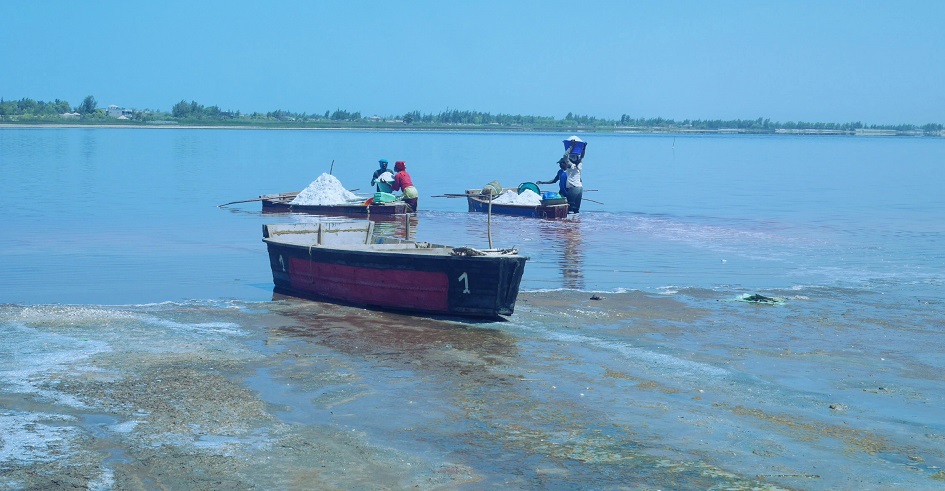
622,391
170,402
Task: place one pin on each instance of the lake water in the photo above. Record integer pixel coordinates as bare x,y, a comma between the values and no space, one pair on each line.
117,263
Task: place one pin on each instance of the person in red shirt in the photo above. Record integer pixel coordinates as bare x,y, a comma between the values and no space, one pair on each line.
402,182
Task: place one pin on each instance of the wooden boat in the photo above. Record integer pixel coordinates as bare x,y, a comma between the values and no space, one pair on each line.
345,262
549,208
282,203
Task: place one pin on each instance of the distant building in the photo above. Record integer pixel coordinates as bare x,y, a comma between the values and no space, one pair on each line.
70,115
874,132
114,111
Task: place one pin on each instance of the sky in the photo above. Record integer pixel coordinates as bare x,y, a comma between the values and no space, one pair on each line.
875,62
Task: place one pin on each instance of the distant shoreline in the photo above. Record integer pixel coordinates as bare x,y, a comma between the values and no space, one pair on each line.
472,128
171,126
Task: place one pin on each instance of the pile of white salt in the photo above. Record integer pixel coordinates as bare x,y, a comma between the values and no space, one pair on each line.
326,190
510,197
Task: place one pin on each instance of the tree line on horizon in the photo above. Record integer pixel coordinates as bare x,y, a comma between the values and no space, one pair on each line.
27,109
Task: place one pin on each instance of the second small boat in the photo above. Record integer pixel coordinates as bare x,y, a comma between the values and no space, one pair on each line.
549,208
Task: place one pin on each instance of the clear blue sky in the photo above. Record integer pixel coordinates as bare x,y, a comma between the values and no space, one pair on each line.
878,62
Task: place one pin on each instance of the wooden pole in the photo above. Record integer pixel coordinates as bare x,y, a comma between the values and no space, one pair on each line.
489,222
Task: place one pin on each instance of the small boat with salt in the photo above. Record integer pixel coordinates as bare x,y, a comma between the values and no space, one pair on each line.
550,207
327,196
348,263
283,203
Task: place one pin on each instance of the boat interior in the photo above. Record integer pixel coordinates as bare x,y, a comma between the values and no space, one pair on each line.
359,235
348,235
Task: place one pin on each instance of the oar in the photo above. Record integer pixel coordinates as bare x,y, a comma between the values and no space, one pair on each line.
242,201
451,195
270,196
592,201
254,199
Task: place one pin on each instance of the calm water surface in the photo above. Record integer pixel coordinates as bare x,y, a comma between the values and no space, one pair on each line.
127,216
668,381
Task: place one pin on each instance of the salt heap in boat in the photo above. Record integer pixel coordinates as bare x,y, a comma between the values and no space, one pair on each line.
326,190
510,197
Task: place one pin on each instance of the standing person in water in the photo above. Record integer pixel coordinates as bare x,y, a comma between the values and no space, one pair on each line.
402,182
376,180
569,177
575,186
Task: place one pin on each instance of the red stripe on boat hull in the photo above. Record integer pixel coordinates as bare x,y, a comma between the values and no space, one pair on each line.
393,288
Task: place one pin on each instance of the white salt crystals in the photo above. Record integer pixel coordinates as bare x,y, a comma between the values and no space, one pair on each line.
326,190
510,197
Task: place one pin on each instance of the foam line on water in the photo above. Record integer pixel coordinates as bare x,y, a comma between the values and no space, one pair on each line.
680,366
199,328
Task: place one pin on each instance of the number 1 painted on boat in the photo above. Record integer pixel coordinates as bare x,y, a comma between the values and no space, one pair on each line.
465,279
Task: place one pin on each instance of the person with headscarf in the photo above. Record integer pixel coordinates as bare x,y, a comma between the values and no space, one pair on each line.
402,182
379,179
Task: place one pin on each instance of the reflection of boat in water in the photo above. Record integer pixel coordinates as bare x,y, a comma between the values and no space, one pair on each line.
549,208
404,226
282,203
566,238
347,262
467,349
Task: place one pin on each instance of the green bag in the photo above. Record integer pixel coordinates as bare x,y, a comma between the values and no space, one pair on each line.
380,197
